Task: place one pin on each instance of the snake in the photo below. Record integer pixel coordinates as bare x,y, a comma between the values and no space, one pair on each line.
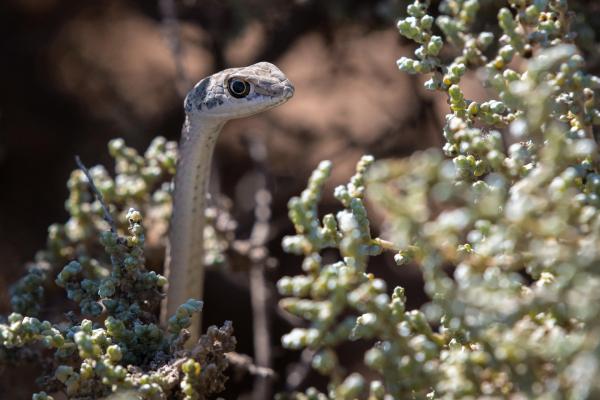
229,94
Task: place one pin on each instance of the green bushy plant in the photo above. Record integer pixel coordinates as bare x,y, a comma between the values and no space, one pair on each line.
504,225
114,344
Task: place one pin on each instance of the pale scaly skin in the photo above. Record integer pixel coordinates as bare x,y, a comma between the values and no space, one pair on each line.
208,106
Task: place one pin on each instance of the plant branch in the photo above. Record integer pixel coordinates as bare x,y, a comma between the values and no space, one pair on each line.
107,217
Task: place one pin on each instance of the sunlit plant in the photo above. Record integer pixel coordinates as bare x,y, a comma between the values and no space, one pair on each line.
504,224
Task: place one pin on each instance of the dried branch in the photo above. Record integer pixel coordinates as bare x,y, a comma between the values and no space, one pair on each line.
170,22
258,256
244,362
107,217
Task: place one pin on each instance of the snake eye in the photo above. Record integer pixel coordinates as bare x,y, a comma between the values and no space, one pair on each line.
238,88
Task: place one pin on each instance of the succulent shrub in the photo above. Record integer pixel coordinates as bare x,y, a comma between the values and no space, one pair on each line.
113,343
503,223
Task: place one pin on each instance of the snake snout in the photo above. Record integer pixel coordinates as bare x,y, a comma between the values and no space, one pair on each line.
288,89
288,92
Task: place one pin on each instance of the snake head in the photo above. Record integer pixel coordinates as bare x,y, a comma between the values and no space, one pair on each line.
239,92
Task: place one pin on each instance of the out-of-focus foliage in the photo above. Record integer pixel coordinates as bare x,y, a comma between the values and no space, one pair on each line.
114,343
504,225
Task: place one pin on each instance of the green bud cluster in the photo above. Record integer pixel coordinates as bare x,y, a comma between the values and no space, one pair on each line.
141,182
455,22
219,232
514,211
504,226
28,292
340,300
125,349
120,348
20,331
418,27
183,316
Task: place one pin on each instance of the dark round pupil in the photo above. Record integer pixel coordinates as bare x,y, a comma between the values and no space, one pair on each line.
238,87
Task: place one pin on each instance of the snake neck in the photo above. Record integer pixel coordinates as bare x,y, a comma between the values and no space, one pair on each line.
184,267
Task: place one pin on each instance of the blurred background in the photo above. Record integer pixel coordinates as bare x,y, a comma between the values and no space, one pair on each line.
75,74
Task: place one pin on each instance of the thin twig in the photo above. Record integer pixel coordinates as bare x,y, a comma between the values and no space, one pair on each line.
299,373
107,217
244,362
258,286
170,22
386,244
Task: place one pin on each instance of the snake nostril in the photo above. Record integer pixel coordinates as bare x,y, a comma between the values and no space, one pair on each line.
288,90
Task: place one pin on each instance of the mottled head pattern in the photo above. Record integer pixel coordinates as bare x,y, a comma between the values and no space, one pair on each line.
266,86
